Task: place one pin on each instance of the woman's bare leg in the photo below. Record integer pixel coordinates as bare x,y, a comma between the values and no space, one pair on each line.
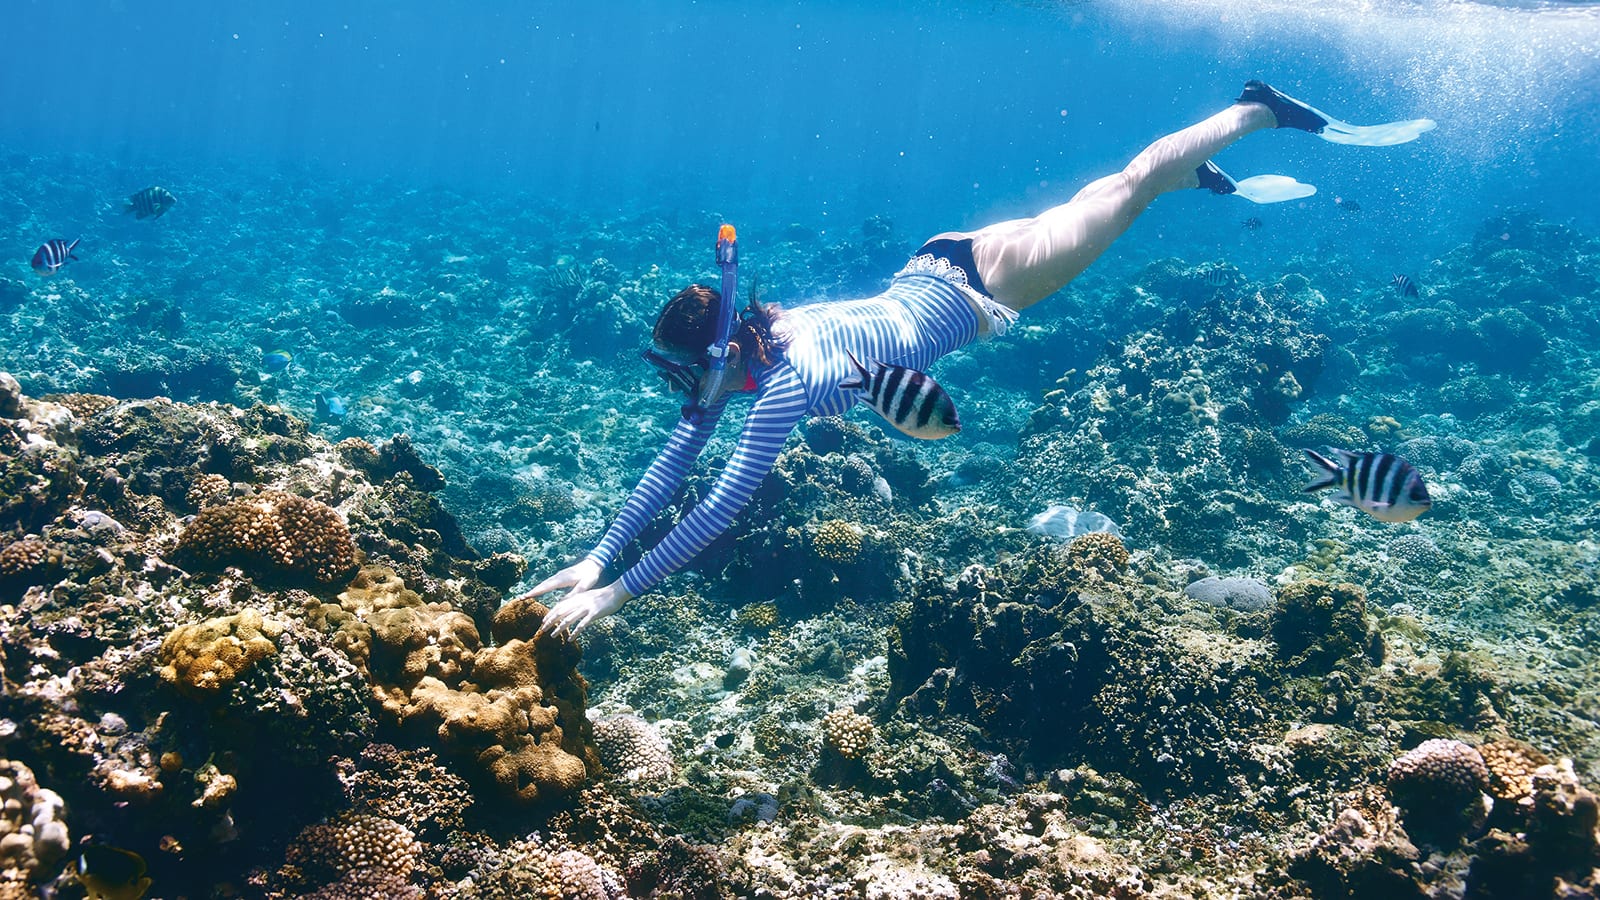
1022,261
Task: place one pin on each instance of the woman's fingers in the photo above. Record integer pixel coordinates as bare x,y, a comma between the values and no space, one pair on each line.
558,580
559,620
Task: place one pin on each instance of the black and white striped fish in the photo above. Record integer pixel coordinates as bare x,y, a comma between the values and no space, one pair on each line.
1381,485
52,255
906,398
1405,286
150,203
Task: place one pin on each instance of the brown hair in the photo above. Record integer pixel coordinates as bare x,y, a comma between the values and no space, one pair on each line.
688,324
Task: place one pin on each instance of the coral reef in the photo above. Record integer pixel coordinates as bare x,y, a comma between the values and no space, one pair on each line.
408,787
879,682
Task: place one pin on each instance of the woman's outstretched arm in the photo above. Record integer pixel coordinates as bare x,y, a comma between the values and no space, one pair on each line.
774,415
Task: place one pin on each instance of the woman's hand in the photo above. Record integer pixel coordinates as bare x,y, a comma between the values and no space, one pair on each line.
575,611
580,576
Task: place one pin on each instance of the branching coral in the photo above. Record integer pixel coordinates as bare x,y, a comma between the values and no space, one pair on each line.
1319,626
408,787
1097,556
208,490
528,870
27,560
1511,765
847,733
837,542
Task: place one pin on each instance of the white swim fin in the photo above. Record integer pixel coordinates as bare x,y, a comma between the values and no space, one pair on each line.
1386,135
1292,113
1272,188
1256,188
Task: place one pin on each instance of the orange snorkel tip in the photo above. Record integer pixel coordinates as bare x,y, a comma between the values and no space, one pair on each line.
726,233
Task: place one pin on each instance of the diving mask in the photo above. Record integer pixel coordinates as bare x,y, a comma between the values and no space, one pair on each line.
682,378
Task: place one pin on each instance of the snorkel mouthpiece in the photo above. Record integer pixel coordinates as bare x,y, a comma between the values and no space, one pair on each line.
717,353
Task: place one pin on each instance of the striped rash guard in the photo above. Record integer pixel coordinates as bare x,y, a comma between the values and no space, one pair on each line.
927,311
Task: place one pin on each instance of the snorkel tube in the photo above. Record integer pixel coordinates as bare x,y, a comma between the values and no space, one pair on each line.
717,353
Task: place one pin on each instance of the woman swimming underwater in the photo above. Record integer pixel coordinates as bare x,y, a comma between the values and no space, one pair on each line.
958,287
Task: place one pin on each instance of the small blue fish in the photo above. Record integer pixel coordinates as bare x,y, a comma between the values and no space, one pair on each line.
276,361
1405,286
330,407
52,255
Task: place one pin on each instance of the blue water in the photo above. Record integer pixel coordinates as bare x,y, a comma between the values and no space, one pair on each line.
940,115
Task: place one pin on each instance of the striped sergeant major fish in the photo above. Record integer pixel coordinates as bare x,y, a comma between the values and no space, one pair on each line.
1405,286
149,203
907,399
52,255
1382,485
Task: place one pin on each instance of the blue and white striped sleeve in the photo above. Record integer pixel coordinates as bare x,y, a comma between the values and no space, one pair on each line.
659,483
772,417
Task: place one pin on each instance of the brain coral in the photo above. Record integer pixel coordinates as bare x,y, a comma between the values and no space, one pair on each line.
213,654
28,557
631,749
1438,787
272,533
325,853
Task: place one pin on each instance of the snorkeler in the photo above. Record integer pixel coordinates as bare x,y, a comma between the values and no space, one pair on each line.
958,287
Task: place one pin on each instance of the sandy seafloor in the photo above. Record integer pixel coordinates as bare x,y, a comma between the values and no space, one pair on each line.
881,683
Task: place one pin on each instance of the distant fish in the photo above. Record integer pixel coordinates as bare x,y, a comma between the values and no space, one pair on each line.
150,203
1252,224
906,398
52,255
111,873
1405,286
1381,485
276,360
1349,206
330,407
1217,276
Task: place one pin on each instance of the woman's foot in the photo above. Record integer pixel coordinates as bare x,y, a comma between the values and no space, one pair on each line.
1214,179
1292,113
